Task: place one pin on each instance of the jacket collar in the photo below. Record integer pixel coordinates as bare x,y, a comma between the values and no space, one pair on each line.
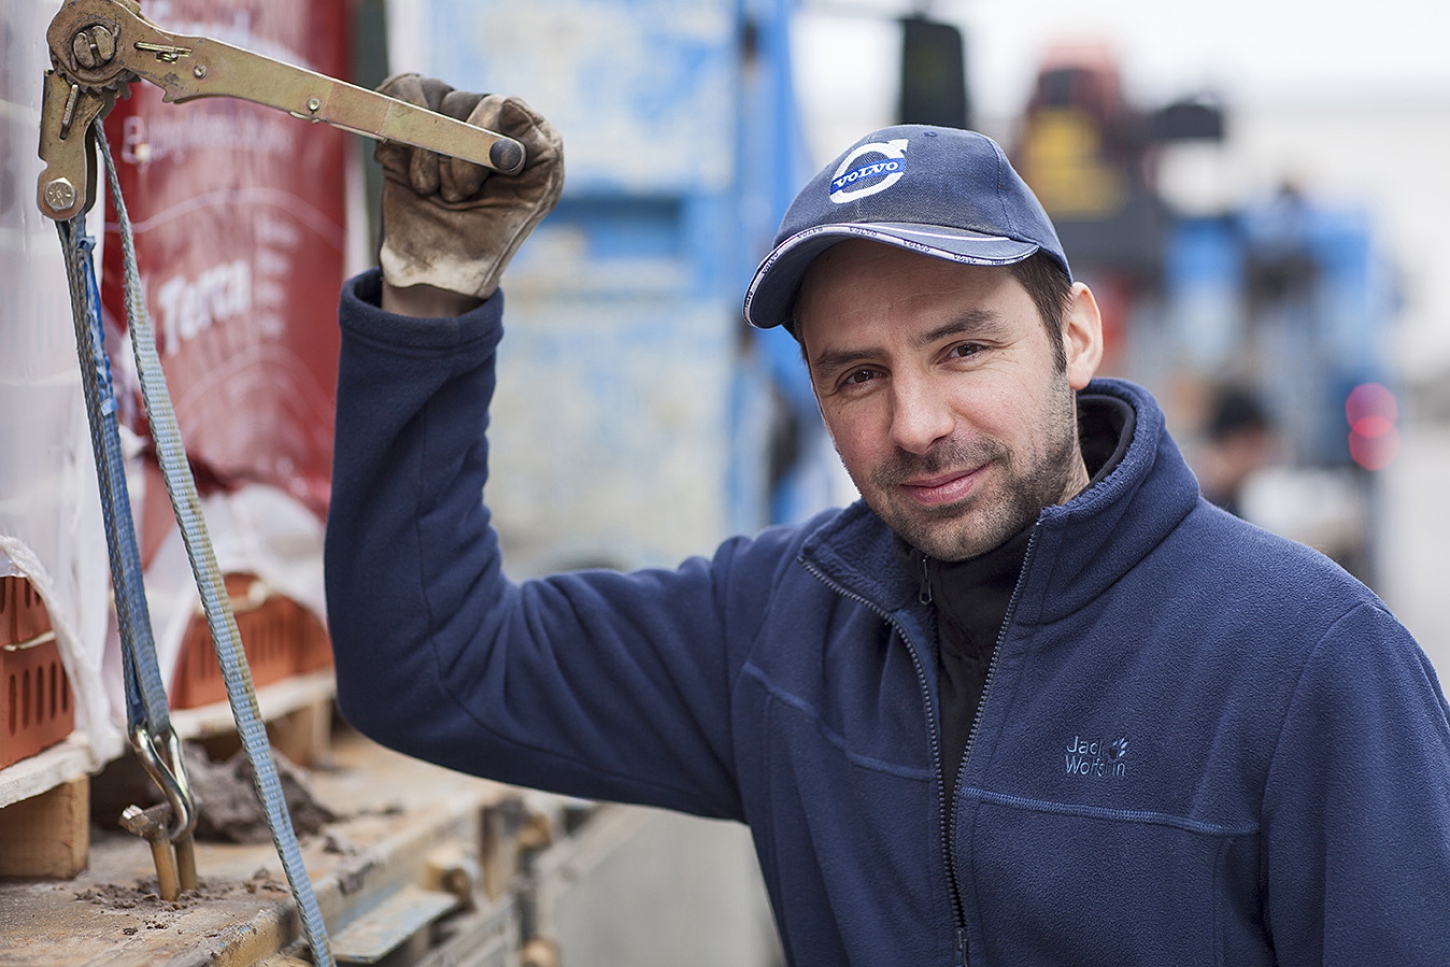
1079,549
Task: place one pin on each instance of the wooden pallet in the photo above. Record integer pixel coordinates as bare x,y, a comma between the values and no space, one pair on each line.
44,799
47,835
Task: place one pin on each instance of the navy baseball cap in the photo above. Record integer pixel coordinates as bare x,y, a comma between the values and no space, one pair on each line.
940,191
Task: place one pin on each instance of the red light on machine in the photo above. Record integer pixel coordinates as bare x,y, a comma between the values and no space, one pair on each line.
1374,441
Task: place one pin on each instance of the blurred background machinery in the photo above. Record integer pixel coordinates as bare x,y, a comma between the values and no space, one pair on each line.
1262,322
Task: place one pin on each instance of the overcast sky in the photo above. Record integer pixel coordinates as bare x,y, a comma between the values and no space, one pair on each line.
1244,50
1249,48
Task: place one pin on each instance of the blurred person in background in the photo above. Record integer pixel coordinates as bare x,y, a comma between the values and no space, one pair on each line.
1032,700
1238,439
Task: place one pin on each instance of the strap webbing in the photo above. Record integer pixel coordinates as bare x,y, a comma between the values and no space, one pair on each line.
145,693
148,703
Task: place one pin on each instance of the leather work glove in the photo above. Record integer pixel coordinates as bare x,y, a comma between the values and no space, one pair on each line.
454,224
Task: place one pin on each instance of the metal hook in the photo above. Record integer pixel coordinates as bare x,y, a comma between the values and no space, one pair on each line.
170,775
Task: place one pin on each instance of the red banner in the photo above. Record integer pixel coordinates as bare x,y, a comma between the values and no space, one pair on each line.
238,212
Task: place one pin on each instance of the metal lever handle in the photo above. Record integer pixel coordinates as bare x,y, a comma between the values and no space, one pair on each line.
193,67
98,46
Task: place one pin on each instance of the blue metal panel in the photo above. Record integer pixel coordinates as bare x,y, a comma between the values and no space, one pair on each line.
632,414
642,90
1288,295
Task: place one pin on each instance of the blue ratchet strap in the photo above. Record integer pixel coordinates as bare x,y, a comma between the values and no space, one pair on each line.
147,716
125,559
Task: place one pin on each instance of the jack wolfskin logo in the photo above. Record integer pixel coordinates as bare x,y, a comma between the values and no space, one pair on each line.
1096,758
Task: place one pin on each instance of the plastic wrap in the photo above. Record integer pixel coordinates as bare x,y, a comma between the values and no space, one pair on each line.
50,515
238,213
239,218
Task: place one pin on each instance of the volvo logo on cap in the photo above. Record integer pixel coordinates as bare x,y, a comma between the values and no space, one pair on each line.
884,164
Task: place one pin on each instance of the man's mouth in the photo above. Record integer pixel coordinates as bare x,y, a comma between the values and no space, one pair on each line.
940,489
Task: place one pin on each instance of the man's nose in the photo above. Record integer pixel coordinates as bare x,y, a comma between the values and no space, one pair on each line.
921,416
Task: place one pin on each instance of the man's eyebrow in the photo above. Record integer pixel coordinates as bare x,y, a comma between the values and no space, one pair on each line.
974,322
835,359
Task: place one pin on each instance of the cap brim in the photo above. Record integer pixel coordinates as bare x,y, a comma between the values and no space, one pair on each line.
772,292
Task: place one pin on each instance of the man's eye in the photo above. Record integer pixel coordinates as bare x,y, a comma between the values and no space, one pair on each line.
858,377
966,349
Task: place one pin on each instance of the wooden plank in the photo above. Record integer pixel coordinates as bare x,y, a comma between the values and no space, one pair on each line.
47,835
303,735
386,927
398,812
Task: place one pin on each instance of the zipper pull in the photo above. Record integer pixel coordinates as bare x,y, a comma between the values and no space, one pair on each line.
924,594
961,960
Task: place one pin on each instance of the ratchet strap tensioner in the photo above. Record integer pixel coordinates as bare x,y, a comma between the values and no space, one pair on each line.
100,46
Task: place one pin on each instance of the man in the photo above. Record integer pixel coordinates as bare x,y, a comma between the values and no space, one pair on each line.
1238,440
1032,701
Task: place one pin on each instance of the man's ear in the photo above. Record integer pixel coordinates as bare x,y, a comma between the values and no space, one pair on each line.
1082,337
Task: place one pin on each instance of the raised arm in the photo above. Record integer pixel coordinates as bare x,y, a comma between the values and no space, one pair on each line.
593,683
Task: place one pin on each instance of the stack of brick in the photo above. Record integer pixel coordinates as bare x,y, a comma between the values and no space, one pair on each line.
36,710
280,638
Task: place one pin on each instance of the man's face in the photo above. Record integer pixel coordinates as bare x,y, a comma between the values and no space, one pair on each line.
939,387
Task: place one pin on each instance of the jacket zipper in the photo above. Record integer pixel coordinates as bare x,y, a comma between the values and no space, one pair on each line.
948,828
934,731
948,806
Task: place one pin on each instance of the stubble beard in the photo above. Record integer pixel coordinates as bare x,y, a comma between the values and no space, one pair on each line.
1006,500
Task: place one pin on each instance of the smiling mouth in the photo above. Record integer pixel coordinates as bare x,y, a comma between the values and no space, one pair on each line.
942,489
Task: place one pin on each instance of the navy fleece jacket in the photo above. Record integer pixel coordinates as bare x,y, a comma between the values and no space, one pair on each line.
1199,743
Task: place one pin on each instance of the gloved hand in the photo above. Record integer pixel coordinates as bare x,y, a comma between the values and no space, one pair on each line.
454,224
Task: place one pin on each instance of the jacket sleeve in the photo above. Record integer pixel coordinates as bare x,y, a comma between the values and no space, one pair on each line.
591,683
1356,825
